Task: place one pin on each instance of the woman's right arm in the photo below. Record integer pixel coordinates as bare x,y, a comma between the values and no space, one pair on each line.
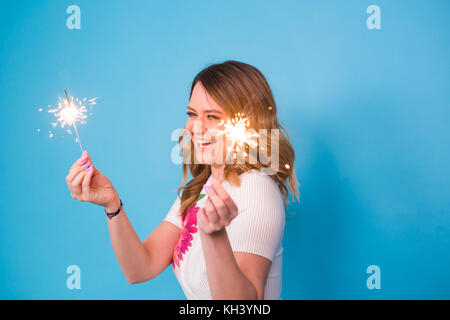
139,261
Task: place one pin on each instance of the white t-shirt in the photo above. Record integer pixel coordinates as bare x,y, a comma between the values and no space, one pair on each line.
258,228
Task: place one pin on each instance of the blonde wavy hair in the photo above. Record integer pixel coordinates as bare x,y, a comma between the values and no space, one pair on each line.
240,88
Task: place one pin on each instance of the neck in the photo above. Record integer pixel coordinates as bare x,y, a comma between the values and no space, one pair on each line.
217,171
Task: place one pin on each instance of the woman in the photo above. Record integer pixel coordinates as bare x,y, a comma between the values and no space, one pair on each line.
230,246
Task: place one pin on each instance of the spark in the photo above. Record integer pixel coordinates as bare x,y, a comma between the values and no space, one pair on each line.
238,133
69,112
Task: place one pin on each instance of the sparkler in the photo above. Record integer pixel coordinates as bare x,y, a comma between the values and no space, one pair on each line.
237,130
242,139
69,112
238,133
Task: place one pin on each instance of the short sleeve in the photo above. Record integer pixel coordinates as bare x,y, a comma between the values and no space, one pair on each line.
173,214
259,226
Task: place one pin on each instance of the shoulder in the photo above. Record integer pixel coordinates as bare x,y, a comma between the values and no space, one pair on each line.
254,178
256,187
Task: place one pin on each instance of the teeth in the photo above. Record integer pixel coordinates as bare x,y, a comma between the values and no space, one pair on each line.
203,141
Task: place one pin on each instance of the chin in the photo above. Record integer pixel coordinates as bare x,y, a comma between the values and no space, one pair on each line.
204,158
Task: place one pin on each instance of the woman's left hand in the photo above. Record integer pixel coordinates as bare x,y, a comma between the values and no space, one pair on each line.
219,209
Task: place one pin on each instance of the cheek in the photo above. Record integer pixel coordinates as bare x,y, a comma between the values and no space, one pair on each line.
219,128
215,129
189,126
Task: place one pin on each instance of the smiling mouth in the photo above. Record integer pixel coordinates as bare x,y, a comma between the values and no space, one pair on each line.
205,143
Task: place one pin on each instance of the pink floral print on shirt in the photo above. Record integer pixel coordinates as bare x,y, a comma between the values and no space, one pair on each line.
188,227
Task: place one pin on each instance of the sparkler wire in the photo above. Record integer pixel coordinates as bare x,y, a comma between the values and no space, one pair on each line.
74,123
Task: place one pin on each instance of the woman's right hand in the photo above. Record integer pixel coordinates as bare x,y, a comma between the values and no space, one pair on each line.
86,183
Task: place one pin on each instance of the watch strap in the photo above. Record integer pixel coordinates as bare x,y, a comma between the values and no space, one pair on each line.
113,214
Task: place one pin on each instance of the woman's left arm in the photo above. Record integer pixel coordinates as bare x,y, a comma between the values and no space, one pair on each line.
231,275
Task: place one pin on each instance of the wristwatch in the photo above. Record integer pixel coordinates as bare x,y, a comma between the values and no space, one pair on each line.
113,214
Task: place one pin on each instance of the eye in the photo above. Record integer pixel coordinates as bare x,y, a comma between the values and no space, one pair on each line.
212,117
190,114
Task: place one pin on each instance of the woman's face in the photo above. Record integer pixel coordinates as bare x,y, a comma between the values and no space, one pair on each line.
203,124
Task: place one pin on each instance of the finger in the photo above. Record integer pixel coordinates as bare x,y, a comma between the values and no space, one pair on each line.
76,168
203,222
83,167
82,160
72,174
86,184
221,209
202,219
225,196
202,214
210,212
76,183
86,165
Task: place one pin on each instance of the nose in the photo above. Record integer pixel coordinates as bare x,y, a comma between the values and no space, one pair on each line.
199,128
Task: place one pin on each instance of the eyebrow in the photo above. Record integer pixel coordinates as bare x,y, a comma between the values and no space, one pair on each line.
206,111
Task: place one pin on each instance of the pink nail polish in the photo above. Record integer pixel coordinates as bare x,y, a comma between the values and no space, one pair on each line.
207,189
86,165
83,159
212,180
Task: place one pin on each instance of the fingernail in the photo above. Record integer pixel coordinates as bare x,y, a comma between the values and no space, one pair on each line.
90,167
206,187
86,165
83,159
212,180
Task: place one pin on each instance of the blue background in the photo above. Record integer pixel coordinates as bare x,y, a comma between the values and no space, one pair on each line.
367,112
